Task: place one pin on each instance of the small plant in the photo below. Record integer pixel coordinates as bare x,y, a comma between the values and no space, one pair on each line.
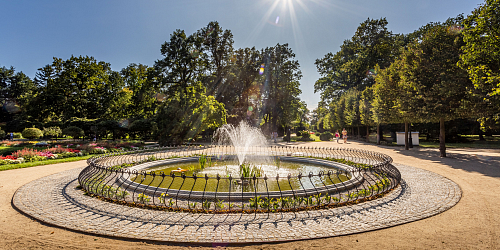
162,197
206,205
193,205
245,170
219,204
170,202
152,158
277,162
266,203
254,202
202,160
144,199
364,192
318,198
299,200
121,194
309,201
327,198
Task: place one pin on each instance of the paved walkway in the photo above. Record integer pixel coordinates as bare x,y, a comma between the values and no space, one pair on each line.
56,200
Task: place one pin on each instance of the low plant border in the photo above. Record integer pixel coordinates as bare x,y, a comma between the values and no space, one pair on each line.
44,162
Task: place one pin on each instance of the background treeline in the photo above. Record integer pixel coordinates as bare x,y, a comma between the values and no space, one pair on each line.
200,83
443,73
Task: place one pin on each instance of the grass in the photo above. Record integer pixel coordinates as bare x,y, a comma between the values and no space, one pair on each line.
9,150
40,163
313,136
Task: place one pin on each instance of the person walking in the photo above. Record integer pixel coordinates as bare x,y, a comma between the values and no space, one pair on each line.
337,136
344,135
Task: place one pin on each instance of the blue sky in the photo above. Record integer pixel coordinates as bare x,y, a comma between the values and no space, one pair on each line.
124,32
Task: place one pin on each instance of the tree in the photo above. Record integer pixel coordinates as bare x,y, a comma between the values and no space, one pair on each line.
481,51
436,87
77,87
52,131
366,112
216,52
184,116
481,60
186,110
16,91
74,132
143,126
353,66
280,88
139,97
243,89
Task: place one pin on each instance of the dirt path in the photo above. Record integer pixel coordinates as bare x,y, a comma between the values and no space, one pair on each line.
473,223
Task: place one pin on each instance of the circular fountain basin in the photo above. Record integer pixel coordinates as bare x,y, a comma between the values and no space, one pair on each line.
289,180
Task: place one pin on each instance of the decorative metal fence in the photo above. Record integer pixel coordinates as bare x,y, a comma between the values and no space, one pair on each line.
129,178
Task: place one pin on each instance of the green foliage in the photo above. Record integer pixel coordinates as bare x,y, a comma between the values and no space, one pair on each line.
205,161
52,131
32,133
352,66
187,113
305,134
247,171
2,133
73,131
326,136
481,51
76,87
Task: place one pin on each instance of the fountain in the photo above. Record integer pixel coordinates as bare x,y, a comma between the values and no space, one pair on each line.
240,173
242,138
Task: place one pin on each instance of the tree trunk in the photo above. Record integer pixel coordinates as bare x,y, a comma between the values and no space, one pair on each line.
378,134
442,145
406,136
367,133
359,134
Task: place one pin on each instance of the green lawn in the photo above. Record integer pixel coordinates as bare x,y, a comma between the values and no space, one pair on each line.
313,136
9,150
45,162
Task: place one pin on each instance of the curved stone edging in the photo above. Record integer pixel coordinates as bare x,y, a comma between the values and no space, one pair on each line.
355,179
55,200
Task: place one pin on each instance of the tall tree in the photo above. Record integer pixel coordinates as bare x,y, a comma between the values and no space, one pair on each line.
16,91
186,110
280,89
430,70
481,59
77,87
353,65
216,51
140,85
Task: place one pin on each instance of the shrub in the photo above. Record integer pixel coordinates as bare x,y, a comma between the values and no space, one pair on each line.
18,136
326,136
305,134
73,131
32,133
298,133
52,131
2,134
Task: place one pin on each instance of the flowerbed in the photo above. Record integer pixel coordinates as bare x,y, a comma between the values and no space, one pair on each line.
62,150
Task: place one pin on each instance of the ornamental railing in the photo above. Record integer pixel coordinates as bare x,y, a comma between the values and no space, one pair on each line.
348,176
